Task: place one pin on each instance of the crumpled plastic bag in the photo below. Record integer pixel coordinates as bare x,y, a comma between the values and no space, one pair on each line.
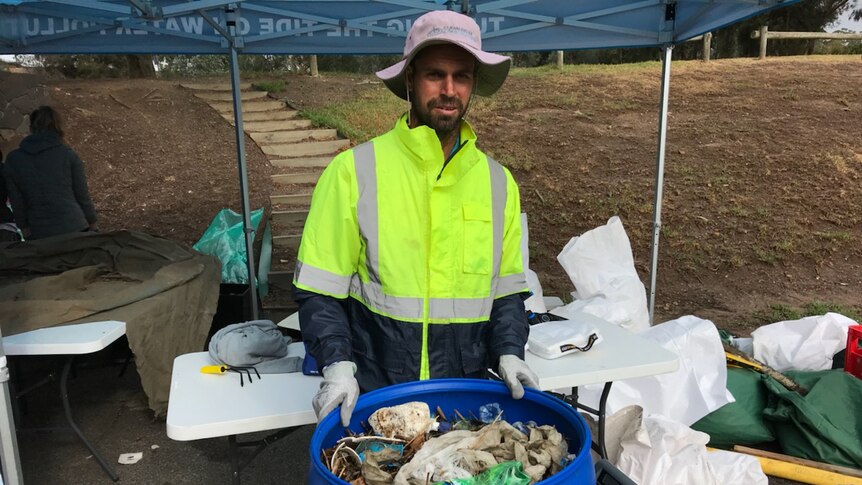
506,473
225,239
656,450
806,344
601,266
736,468
464,454
696,389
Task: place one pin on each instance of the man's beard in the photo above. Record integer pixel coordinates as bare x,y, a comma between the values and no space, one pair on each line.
442,124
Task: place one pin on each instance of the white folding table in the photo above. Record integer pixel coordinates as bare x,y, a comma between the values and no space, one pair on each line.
69,340
216,405
207,406
620,355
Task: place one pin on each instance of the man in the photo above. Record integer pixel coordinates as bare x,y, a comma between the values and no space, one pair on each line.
410,263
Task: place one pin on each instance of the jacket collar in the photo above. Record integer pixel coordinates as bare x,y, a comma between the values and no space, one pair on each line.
424,146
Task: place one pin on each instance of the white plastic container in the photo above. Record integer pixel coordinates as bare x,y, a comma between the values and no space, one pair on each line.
552,340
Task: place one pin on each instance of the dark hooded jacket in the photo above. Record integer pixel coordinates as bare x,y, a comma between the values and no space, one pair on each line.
47,187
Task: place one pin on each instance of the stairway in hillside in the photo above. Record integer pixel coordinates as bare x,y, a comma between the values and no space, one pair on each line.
298,153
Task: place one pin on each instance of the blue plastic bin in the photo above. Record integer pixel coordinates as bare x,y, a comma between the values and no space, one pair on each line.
465,395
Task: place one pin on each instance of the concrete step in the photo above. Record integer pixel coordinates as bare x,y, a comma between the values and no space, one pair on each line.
289,241
247,107
307,149
292,136
317,162
264,117
283,279
225,86
282,124
296,178
223,96
292,219
292,199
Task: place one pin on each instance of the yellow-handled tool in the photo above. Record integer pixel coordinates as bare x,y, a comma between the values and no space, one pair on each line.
214,369
221,369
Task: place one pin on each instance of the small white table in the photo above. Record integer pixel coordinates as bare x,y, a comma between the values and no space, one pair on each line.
620,355
69,340
216,405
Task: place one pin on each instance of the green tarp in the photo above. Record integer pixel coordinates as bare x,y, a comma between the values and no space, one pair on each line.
824,425
740,422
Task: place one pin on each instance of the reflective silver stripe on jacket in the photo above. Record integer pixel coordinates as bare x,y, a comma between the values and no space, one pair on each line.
409,308
365,165
320,279
371,292
509,284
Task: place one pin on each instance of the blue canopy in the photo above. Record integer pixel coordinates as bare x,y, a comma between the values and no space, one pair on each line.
350,26
347,27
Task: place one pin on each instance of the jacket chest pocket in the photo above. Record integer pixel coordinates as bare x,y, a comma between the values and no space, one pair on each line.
478,241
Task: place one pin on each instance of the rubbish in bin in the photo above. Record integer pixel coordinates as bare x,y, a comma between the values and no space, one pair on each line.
505,473
432,455
402,421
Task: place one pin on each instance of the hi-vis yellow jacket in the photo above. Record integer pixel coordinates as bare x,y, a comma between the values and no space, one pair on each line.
408,269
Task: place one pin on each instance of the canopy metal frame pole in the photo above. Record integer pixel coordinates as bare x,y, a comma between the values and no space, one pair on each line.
240,153
667,52
11,460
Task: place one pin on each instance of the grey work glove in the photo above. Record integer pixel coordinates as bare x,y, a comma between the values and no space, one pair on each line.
517,374
338,387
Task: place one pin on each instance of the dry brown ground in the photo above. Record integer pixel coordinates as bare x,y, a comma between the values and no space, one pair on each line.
763,203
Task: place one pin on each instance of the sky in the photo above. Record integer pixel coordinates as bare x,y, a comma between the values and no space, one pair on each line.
845,23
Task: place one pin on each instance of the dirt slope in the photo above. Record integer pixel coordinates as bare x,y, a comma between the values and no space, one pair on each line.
762,205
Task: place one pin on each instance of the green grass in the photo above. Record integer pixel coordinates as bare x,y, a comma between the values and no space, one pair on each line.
834,236
780,312
551,69
360,119
269,86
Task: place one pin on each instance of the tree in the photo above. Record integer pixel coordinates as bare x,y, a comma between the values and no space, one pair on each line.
805,16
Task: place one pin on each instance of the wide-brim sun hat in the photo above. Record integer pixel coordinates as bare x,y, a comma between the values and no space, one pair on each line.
448,27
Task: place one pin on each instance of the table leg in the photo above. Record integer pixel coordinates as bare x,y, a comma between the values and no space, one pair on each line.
603,403
234,460
236,466
64,395
599,445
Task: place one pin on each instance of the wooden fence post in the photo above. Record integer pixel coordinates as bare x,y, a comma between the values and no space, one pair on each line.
559,59
764,30
313,66
707,46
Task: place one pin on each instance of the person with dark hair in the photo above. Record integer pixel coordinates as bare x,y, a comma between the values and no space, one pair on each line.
46,182
8,231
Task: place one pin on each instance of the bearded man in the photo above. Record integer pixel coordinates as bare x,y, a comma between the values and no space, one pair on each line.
410,262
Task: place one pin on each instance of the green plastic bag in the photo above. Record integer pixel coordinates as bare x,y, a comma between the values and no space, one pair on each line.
505,473
224,239
740,422
824,425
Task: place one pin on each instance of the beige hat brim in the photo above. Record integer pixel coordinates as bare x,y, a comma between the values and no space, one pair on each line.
491,71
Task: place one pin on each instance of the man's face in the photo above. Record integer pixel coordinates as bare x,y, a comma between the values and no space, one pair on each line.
441,80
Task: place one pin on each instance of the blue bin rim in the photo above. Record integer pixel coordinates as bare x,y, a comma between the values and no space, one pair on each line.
333,419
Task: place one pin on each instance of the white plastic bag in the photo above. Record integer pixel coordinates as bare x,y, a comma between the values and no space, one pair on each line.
551,340
806,344
696,389
732,468
656,450
535,303
600,265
